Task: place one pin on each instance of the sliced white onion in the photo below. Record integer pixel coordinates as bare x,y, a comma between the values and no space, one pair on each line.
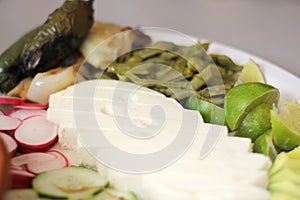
47,83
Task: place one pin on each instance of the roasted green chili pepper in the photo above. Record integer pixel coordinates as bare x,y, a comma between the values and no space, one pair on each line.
46,46
9,61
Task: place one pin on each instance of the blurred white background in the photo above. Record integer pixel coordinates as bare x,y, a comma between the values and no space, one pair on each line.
267,28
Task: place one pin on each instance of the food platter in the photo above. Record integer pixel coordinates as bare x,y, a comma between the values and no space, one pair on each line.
149,75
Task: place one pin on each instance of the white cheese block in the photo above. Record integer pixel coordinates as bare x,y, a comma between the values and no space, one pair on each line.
103,90
215,166
104,120
186,184
69,139
253,161
199,174
160,191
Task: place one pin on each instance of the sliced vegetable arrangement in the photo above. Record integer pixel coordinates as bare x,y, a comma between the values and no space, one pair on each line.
33,164
74,183
28,131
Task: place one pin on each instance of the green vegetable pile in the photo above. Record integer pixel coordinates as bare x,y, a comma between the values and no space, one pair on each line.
177,71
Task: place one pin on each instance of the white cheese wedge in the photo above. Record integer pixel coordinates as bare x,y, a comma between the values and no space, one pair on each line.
191,175
160,191
215,166
190,184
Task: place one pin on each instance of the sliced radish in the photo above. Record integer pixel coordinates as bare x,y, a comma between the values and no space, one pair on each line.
31,106
1,112
59,155
8,123
21,179
11,100
31,158
23,150
10,143
40,162
36,133
14,167
39,166
26,113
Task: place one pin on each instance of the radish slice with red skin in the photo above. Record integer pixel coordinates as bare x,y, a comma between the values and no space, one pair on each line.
9,123
31,158
31,106
24,150
39,166
56,153
14,167
10,144
36,133
22,114
1,112
11,100
21,179
59,155
40,162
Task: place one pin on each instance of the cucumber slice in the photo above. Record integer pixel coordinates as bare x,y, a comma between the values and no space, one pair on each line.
69,183
22,194
115,194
